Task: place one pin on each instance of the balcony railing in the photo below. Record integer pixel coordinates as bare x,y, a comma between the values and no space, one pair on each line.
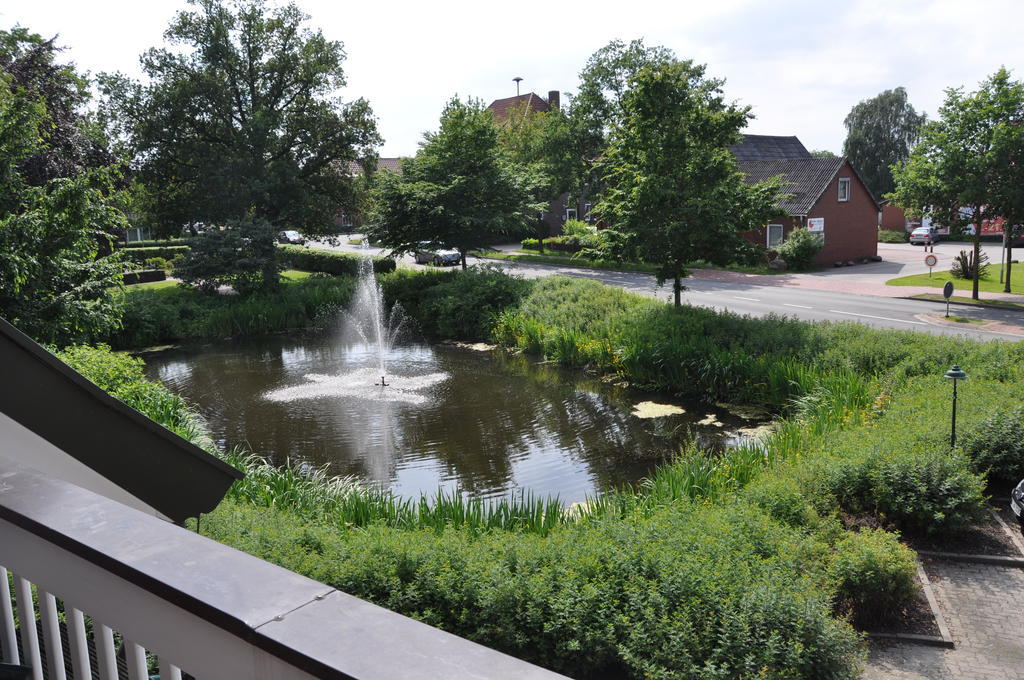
109,586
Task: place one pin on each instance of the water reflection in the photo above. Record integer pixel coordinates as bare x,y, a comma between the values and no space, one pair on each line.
493,424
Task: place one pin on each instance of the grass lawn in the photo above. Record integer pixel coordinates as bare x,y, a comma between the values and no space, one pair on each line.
997,304
988,284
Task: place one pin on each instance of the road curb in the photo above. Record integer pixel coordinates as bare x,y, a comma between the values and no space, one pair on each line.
943,639
997,560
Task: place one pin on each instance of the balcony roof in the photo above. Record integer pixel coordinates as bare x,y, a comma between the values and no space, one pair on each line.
144,459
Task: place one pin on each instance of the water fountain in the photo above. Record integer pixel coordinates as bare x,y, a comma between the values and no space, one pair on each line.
370,327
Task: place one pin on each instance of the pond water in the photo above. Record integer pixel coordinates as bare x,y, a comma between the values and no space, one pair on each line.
450,417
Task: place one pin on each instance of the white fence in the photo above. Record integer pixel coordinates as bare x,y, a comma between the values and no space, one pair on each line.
107,584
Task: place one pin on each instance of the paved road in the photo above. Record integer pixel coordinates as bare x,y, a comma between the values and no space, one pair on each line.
982,604
810,305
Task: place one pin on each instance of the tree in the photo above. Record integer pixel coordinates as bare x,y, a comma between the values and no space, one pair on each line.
72,141
967,167
672,181
239,119
822,153
880,132
457,192
540,144
57,208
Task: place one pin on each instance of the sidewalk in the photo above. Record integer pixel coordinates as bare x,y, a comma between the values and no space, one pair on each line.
982,604
823,281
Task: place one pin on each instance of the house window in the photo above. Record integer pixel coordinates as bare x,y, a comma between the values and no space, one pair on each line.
774,235
137,234
570,214
844,189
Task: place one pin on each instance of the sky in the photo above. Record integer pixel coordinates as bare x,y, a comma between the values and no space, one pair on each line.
799,64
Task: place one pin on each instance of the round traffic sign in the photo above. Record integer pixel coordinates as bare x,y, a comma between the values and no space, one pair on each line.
947,290
930,260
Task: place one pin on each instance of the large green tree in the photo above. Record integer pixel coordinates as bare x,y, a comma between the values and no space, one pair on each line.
457,192
967,167
58,203
880,132
671,179
240,117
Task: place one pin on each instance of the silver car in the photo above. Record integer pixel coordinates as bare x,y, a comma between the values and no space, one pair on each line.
923,235
1017,502
426,253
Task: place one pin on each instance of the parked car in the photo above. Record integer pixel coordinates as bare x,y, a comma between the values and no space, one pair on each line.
426,252
1017,502
923,235
292,236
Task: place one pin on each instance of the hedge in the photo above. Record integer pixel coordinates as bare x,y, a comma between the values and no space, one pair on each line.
144,276
330,261
140,255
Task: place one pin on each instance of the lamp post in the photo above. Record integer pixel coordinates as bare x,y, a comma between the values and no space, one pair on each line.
955,373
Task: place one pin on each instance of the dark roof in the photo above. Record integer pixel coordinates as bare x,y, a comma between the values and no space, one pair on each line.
807,178
390,164
531,100
768,148
148,461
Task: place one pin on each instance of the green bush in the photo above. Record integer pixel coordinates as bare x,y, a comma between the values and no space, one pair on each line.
173,314
874,574
121,376
891,236
577,228
140,255
242,255
156,243
800,248
456,304
782,498
692,591
531,244
995,446
330,261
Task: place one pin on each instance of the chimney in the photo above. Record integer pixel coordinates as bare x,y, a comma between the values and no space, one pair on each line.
553,99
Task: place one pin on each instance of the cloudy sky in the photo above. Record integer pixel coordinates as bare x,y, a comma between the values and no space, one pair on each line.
800,64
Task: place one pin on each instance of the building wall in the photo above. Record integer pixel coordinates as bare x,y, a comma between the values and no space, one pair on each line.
893,218
851,227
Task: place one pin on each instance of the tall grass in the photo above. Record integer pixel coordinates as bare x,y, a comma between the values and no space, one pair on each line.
178,313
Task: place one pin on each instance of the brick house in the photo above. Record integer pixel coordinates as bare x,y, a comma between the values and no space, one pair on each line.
562,208
826,195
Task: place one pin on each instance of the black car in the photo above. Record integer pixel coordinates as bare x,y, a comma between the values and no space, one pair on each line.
1017,502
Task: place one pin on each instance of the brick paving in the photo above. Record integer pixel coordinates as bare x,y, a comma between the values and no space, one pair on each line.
984,607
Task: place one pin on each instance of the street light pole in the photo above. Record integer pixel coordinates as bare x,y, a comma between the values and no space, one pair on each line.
955,374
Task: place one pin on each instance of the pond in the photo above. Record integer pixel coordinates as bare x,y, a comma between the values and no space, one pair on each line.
450,417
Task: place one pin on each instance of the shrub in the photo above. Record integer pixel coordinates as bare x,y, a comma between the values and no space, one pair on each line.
995,446
874,575
530,244
140,255
179,313
243,256
459,304
782,499
692,591
156,243
330,261
891,236
577,228
800,248
963,265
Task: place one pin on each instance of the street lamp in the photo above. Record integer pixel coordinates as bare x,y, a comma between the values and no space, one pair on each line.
955,373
